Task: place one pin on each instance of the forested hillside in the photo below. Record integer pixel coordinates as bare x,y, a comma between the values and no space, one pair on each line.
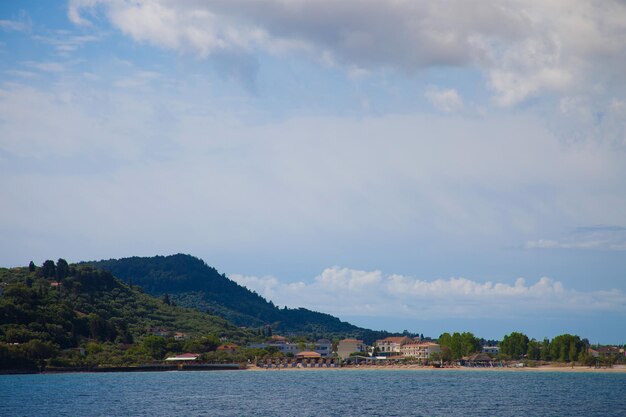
191,283
50,310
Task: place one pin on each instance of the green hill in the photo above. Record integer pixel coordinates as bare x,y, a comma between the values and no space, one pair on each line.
43,315
192,283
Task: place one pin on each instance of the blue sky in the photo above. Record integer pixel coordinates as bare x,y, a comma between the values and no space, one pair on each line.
402,165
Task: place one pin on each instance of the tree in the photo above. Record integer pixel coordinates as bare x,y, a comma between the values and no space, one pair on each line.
545,350
31,266
573,351
446,354
514,345
459,344
48,269
154,346
166,299
204,344
97,327
271,350
534,350
37,349
62,270
566,348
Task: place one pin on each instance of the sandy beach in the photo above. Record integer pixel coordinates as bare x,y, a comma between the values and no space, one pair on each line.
617,369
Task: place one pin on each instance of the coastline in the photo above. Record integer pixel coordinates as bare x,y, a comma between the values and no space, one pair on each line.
616,369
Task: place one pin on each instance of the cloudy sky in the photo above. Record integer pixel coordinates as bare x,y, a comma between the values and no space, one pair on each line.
422,165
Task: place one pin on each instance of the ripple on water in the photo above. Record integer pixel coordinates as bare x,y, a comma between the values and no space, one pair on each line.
302,394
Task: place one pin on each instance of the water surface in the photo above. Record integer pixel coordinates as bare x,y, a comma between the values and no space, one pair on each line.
315,393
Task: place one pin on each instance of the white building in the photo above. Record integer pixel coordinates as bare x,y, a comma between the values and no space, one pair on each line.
324,347
422,350
391,345
491,350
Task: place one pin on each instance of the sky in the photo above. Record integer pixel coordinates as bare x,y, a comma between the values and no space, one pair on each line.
422,165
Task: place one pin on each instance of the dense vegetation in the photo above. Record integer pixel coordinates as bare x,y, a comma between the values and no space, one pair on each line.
457,345
48,313
517,346
189,282
563,348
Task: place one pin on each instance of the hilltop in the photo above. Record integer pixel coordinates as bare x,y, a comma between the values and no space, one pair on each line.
190,282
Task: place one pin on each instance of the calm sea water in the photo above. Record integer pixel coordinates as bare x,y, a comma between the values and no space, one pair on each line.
333,393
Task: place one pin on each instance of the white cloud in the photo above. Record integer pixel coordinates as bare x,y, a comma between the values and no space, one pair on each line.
67,43
612,238
138,79
356,293
524,47
426,180
22,24
45,66
445,100
13,25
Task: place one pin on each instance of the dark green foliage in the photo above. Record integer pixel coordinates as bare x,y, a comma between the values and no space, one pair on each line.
534,350
62,269
459,344
566,348
563,348
514,345
48,270
31,266
90,308
155,346
189,282
203,344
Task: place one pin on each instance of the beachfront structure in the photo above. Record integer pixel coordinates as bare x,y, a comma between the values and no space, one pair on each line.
421,351
323,346
477,359
283,347
348,346
390,346
308,355
608,351
185,357
491,350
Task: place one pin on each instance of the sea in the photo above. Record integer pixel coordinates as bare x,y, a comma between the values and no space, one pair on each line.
315,393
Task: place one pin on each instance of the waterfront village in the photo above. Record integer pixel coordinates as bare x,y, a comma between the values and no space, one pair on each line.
390,351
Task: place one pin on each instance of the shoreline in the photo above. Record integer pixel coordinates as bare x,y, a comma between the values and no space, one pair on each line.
616,369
